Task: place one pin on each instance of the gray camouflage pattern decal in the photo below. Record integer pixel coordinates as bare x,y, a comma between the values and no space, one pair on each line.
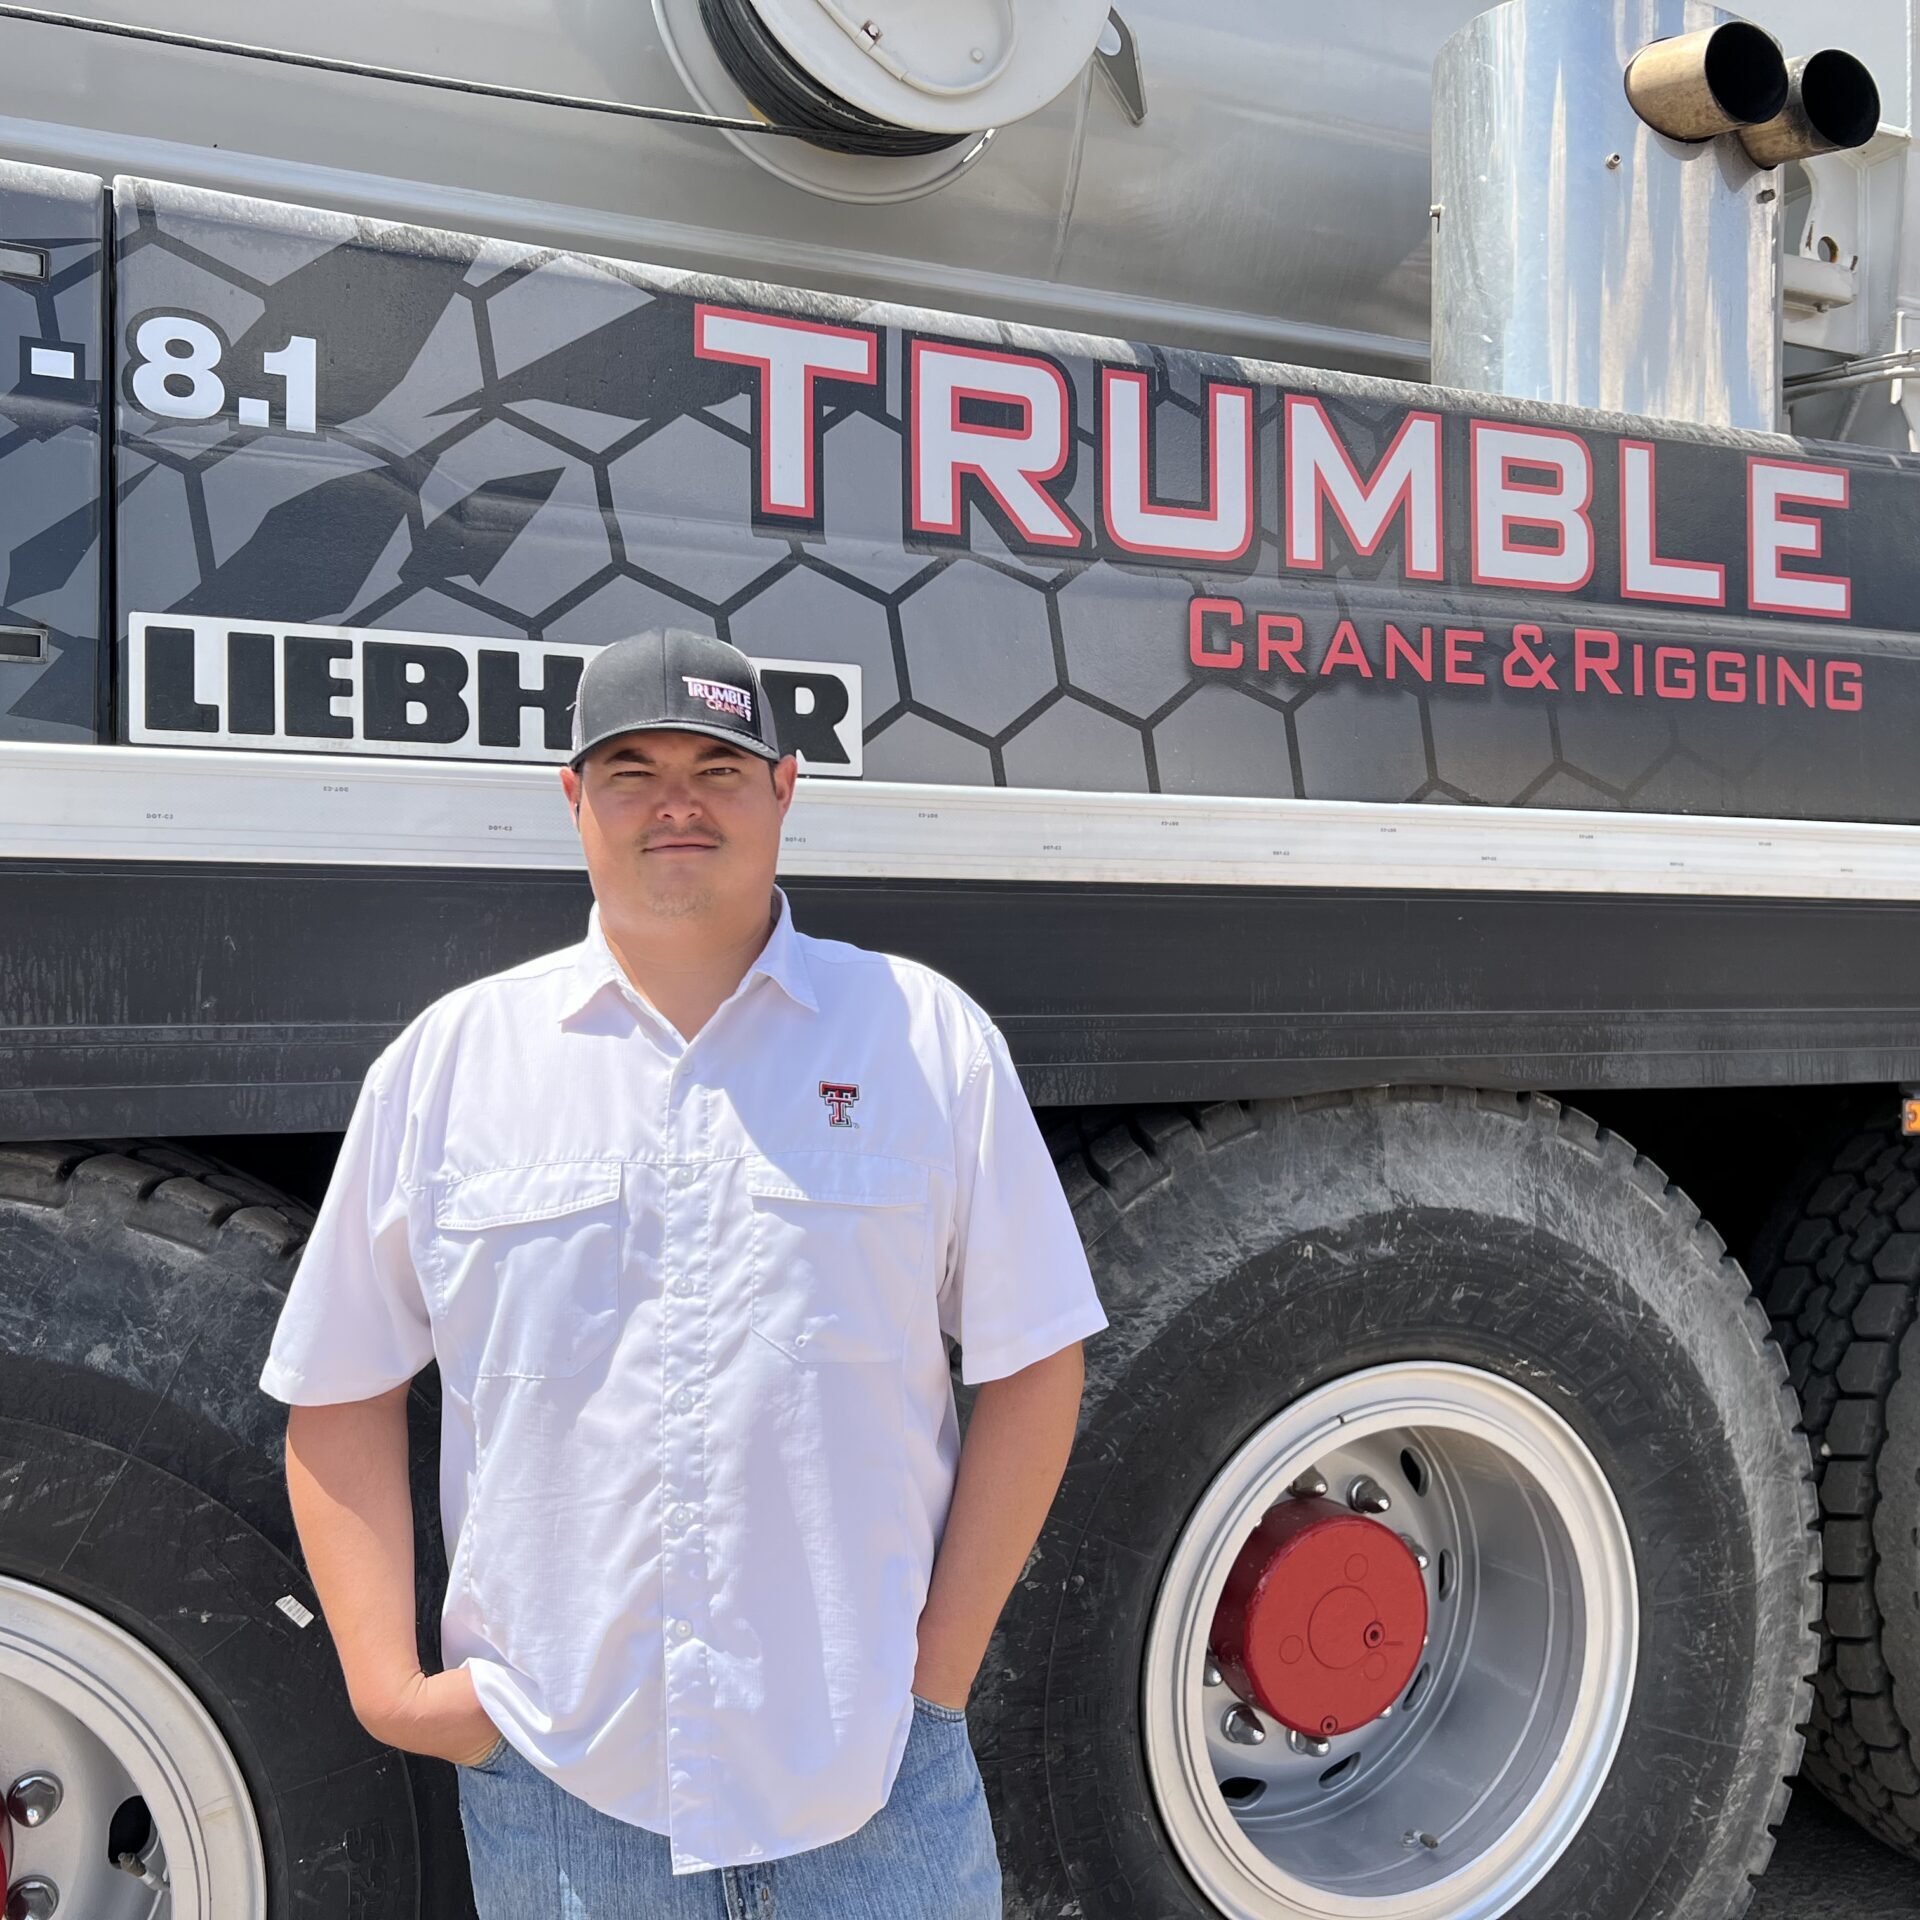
519,442
52,248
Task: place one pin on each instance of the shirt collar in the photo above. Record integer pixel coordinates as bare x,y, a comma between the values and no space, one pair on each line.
781,960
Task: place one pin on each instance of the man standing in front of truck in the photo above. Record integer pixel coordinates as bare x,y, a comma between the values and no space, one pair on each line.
683,1213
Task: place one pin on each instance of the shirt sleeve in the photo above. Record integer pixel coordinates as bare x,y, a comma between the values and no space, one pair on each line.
1017,1285
355,1321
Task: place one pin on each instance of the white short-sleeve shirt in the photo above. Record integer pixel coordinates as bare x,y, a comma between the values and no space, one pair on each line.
698,1435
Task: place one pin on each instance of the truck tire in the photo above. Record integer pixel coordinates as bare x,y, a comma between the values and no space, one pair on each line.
162,1653
1840,1266
1515,1328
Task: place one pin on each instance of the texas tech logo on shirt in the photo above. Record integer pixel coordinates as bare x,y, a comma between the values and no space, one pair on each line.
839,1096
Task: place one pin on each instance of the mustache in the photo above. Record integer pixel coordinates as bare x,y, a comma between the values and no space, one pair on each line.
702,836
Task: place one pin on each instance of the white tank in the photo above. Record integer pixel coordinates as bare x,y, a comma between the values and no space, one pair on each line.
1273,201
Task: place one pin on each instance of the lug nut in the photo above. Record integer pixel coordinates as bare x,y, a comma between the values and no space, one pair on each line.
1305,1743
1242,1726
1210,1674
1311,1485
1367,1495
32,1898
34,1798
1413,1546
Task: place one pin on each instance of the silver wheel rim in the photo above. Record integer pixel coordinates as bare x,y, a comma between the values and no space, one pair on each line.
83,1701
1459,1800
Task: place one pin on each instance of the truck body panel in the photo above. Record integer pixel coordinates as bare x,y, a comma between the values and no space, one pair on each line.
54,680
1308,772
528,447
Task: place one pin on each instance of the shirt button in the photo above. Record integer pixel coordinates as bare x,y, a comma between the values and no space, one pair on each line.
680,1517
683,1287
683,1400
681,1629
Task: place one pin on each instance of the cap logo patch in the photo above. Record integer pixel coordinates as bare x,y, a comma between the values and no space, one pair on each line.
722,698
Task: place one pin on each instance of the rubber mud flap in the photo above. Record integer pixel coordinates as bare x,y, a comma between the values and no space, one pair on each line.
142,1475
1249,1254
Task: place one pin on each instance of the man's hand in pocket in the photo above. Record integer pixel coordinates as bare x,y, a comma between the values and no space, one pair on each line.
437,1714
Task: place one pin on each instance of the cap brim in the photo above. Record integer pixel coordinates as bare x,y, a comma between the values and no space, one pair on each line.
744,742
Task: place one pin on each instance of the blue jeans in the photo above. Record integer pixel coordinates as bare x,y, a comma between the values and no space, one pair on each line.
538,1852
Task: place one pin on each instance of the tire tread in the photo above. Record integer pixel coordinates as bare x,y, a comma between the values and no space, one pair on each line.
158,1188
1842,1300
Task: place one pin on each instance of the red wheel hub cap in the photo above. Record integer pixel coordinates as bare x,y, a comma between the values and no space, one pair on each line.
1323,1618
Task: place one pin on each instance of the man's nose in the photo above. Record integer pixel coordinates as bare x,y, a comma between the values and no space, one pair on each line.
677,797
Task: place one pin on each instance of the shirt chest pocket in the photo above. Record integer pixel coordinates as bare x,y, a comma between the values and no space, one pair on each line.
527,1261
839,1253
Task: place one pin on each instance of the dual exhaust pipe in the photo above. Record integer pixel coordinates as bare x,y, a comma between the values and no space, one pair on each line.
1733,78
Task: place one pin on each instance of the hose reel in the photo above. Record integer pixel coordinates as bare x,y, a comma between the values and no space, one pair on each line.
782,89
891,97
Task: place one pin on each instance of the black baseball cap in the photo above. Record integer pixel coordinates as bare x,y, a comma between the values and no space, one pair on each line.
672,678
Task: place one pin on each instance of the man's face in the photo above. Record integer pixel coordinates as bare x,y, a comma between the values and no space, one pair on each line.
679,824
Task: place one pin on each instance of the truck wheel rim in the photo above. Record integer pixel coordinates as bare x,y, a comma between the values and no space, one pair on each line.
84,1702
1456,1802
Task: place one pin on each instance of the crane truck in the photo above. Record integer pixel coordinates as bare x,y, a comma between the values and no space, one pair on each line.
1351,573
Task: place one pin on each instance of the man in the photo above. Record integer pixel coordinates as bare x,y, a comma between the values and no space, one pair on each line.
683,1213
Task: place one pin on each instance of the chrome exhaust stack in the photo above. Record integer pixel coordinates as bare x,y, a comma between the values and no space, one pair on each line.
1711,81
1832,103
1606,217
1580,254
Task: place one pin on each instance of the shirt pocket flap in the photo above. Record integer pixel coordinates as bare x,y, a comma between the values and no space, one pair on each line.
838,1252
508,1196
526,1268
841,1179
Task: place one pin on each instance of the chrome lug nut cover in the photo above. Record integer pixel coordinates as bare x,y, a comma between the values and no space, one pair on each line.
32,1898
34,1798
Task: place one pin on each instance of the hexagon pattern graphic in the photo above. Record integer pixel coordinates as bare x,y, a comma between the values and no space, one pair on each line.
517,441
52,245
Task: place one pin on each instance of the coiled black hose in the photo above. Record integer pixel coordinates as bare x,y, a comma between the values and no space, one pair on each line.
787,94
